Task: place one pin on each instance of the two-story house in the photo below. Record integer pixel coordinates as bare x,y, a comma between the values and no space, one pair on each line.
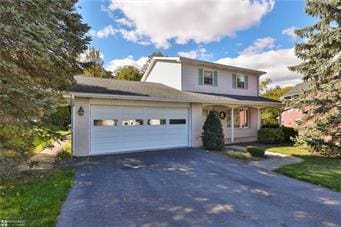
167,108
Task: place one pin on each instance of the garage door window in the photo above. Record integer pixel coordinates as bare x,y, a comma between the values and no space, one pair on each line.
112,122
156,121
132,122
177,121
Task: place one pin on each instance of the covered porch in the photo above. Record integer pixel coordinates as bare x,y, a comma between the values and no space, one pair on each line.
240,122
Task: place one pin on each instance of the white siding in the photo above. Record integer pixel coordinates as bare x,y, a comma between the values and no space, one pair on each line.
168,73
196,124
190,82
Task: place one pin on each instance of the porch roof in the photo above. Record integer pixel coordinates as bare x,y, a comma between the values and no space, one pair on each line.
216,98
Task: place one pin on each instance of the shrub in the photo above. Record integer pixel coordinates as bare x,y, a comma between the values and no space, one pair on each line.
270,135
213,135
237,154
65,152
270,125
8,168
256,151
289,133
62,117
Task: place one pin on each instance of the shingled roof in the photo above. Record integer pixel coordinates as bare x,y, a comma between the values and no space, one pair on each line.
155,91
298,89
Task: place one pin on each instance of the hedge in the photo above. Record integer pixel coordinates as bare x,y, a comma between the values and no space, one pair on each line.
270,135
255,151
289,133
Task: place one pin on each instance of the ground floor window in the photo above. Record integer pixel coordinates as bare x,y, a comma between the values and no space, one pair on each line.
241,118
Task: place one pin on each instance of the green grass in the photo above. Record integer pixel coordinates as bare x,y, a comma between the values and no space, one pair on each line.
238,155
315,169
36,199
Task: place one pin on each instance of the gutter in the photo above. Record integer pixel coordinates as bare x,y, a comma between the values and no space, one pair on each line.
157,99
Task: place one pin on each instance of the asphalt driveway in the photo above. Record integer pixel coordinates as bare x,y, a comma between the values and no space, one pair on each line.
191,188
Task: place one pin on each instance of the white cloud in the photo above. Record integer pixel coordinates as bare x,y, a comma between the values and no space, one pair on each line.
125,21
129,60
130,35
259,46
200,53
104,32
274,62
183,20
290,32
133,36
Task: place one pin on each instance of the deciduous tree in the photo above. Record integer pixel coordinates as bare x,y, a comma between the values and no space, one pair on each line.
93,64
128,72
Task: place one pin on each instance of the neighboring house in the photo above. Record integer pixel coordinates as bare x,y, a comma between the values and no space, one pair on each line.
167,108
290,116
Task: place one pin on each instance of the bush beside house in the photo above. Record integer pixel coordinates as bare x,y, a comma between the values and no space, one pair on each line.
270,135
213,135
273,134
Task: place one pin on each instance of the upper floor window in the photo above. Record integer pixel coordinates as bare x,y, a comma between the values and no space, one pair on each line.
240,81
208,77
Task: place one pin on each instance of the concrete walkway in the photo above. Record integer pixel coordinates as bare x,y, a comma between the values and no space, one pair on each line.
46,157
275,161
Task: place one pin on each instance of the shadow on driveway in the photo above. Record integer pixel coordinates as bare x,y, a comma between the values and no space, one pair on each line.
187,187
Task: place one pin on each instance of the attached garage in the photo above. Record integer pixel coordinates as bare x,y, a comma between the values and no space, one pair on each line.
116,116
116,129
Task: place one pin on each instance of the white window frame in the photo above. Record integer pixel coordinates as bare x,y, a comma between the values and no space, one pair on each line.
248,118
212,77
237,76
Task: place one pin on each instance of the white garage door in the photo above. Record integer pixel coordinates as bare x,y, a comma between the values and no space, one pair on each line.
123,128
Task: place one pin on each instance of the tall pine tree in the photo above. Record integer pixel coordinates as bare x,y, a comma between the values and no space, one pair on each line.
320,55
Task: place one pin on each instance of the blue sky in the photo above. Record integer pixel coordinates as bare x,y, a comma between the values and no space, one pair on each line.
255,34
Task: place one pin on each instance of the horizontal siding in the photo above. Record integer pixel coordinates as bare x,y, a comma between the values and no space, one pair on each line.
190,82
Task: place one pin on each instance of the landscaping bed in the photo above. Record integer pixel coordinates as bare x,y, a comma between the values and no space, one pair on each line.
36,197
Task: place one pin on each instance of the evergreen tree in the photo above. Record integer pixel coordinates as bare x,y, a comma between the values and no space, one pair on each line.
213,135
39,45
320,55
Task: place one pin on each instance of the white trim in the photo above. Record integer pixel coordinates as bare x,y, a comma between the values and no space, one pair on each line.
232,124
73,120
140,98
258,119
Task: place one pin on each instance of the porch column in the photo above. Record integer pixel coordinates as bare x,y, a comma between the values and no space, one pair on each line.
259,122
232,125
279,117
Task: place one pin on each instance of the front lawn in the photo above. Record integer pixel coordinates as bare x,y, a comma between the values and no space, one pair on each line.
315,169
36,199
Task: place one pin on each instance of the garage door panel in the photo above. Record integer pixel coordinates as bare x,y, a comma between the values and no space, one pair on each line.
111,139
